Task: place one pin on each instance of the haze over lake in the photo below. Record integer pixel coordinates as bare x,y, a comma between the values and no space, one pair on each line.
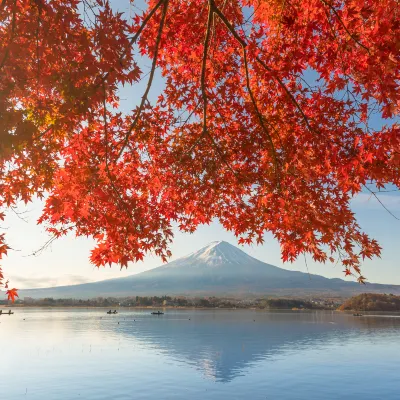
204,354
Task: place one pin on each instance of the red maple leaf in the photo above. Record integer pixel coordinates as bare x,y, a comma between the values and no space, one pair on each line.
12,294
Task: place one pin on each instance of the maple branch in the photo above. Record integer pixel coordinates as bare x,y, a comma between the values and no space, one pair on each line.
205,131
238,175
149,83
261,62
345,27
287,91
259,115
197,140
119,197
104,78
135,37
204,67
380,202
51,240
13,25
214,8
37,47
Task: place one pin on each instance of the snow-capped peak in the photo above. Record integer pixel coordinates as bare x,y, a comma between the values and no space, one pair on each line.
218,253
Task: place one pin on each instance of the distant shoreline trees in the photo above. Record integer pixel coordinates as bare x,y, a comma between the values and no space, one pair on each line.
372,302
184,302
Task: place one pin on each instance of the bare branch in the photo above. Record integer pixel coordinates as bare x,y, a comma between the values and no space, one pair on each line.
380,202
50,241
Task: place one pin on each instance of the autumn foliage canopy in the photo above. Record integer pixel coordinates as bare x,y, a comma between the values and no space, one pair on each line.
263,121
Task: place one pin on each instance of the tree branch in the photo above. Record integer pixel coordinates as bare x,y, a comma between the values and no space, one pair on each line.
204,68
110,178
135,37
380,202
13,25
261,62
150,81
345,27
259,115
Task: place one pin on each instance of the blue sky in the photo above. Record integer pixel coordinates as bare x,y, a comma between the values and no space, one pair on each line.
67,260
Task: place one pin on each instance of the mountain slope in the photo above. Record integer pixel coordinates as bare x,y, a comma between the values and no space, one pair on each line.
218,268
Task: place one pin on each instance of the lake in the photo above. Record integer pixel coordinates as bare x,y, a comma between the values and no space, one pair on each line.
64,354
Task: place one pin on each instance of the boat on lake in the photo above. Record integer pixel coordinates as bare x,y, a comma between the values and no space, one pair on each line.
357,315
112,312
157,313
6,313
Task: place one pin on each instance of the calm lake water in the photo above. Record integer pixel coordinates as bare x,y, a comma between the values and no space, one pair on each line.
86,354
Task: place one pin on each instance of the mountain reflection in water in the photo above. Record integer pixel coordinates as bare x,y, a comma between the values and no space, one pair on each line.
223,344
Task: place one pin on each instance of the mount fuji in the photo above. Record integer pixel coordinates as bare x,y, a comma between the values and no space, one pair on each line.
217,269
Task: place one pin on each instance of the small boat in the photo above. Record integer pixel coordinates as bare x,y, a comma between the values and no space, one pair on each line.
357,315
112,312
157,313
6,313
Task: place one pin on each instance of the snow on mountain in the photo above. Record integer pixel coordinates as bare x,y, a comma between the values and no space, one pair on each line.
214,255
217,254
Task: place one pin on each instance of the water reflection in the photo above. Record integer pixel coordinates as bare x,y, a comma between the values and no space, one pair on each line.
225,344
68,354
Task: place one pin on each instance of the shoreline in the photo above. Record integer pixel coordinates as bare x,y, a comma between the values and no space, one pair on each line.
171,308
8,307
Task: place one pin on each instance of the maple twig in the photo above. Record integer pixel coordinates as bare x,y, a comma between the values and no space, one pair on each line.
204,67
308,272
205,131
202,82
345,27
178,119
261,62
51,240
119,197
243,43
380,202
104,77
13,25
238,175
18,214
197,140
135,36
259,115
222,156
149,83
